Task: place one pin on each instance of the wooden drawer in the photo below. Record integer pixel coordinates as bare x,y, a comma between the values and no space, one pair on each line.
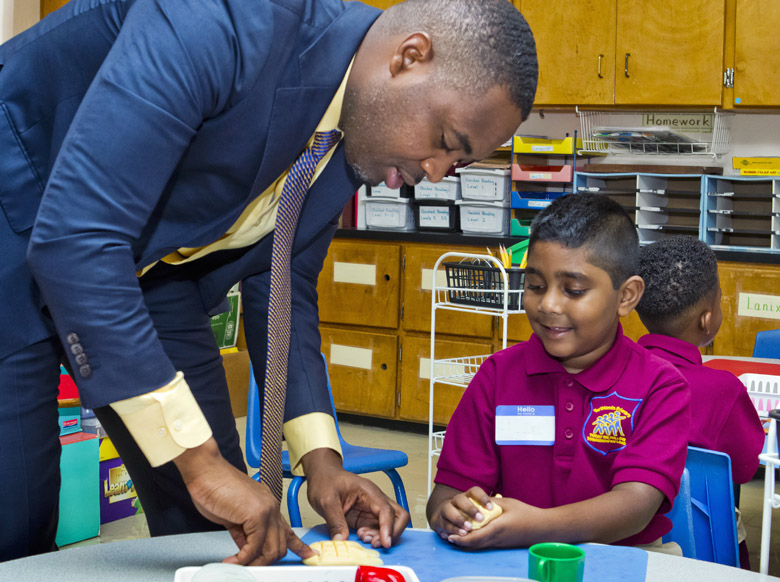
418,279
362,368
415,375
359,284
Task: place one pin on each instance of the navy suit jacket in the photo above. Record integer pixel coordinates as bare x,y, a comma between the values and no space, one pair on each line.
131,128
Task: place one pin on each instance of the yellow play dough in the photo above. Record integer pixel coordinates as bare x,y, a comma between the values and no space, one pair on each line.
490,514
342,553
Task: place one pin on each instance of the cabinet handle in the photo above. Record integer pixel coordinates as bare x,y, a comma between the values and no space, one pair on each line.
625,67
600,75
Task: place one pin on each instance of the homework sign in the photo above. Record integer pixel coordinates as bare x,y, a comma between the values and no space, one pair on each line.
759,305
684,122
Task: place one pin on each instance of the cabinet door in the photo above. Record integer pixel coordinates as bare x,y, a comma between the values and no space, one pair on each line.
675,52
757,53
419,261
744,312
362,368
359,284
575,45
415,377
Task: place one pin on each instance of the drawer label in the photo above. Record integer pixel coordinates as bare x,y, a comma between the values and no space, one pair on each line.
356,273
436,216
759,305
426,282
350,356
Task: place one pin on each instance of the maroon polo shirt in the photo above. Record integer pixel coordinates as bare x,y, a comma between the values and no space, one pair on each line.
623,419
722,416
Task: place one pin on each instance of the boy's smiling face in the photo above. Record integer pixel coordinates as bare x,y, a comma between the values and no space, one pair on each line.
572,305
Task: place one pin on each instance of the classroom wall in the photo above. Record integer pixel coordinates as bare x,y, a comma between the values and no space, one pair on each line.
752,134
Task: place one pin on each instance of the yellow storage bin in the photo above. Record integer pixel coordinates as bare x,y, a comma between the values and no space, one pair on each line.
539,145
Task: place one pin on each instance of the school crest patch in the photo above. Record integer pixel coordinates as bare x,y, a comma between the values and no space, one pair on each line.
610,423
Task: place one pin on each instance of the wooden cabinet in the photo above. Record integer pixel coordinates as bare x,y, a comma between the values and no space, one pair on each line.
360,284
415,376
363,369
756,53
628,52
745,312
575,44
379,363
669,52
418,277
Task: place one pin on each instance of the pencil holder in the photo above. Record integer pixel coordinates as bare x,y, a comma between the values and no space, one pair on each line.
482,285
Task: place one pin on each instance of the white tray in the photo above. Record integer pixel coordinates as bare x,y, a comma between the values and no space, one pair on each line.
764,392
299,573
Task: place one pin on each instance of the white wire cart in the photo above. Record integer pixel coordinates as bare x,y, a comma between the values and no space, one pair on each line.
475,284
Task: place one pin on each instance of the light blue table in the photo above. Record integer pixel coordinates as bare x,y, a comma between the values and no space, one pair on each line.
156,560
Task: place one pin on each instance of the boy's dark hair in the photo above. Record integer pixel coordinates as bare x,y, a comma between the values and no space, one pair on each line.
596,222
480,44
679,273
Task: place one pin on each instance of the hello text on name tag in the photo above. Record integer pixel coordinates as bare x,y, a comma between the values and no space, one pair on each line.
525,425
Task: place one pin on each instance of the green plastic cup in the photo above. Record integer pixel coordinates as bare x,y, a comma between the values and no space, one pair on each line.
551,562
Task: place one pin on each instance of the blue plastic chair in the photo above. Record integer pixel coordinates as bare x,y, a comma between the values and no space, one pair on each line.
712,505
682,518
767,344
356,459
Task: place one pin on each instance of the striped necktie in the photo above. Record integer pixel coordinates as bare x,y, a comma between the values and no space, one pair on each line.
295,187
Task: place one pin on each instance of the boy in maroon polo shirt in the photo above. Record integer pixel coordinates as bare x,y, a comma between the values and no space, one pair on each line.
681,309
580,429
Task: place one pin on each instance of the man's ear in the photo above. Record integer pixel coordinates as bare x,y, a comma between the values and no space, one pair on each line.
415,49
630,293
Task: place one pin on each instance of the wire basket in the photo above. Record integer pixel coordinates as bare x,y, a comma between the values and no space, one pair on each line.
655,132
482,285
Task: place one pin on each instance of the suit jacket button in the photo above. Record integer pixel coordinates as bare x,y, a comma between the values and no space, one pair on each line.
72,338
81,359
76,349
85,371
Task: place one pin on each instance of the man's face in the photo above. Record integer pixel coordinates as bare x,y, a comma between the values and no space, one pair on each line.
404,132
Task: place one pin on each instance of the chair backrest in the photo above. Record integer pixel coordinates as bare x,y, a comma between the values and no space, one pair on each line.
712,503
254,419
682,518
767,344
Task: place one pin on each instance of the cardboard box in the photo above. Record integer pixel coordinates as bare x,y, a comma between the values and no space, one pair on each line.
236,366
118,498
79,505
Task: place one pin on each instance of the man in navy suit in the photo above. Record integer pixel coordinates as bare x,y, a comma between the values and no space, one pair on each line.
143,148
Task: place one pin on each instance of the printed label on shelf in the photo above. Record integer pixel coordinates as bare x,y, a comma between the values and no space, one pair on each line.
350,356
357,273
541,148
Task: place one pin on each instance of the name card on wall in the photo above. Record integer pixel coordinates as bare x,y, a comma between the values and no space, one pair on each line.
759,305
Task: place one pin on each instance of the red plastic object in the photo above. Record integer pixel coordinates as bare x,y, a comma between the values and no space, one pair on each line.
377,574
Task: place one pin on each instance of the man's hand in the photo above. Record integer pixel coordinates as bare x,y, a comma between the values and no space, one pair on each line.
346,501
248,509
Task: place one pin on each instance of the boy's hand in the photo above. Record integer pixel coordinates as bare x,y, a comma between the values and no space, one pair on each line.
452,513
508,530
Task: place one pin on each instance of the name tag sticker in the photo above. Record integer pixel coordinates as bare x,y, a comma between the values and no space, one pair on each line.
525,425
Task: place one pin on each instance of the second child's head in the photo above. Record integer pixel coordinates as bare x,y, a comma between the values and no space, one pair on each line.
581,277
682,290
